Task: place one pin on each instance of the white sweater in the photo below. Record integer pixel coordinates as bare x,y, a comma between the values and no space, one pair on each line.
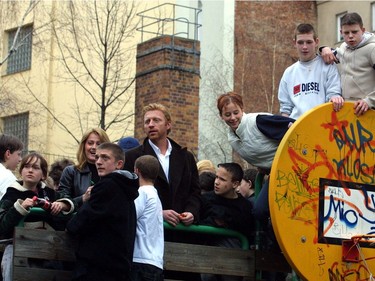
305,85
6,179
149,239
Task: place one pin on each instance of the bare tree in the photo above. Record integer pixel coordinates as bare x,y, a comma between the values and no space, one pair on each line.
96,48
213,143
82,73
255,80
9,11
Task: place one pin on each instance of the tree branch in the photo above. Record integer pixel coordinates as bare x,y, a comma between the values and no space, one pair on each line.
15,43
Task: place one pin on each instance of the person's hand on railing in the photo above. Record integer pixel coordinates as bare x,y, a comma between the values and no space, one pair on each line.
360,107
171,216
28,203
186,218
58,207
174,218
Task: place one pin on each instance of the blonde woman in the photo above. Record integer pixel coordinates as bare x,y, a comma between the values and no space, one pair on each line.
77,180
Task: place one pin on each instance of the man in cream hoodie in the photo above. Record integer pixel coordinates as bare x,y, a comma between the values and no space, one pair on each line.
357,63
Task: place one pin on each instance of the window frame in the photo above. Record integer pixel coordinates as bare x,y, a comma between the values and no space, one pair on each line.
339,37
17,125
20,59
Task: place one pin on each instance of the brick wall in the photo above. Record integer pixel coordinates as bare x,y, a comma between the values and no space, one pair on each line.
263,48
168,73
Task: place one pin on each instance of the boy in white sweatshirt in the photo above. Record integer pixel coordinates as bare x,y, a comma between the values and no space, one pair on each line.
309,81
149,239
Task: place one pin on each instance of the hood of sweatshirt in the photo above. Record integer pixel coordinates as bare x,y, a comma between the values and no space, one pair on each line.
19,185
366,39
127,180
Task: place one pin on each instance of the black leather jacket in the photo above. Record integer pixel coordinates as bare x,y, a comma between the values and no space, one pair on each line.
74,183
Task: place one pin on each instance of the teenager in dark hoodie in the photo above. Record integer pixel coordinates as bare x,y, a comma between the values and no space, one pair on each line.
106,224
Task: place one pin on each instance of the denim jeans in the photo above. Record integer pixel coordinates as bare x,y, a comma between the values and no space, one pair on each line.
7,263
261,210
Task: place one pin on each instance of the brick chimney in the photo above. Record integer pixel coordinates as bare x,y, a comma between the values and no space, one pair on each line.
167,72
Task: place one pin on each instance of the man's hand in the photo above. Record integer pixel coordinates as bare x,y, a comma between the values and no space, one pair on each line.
186,218
360,107
328,56
174,218
337,102
171,217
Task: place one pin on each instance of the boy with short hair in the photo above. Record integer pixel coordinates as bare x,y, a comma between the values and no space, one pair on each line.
356,57
106,224
149,239
309,81
10,156
224,208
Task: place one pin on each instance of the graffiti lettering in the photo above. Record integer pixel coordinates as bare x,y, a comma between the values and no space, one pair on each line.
323,183
337,192
354,140
352,167
348,211
354,272
321,260
357,139
293,183
350,217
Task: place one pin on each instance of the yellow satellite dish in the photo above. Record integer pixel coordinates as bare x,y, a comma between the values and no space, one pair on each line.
322,194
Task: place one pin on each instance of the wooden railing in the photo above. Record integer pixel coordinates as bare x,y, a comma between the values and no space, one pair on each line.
34,248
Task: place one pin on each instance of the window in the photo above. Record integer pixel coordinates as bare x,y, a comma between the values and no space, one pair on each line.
339,37
18,125
20,59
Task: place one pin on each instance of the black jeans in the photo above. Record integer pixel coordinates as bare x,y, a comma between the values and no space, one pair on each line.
146,272
86,272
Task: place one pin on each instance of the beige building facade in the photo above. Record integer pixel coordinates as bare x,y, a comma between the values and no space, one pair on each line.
67,68
47,106
50,108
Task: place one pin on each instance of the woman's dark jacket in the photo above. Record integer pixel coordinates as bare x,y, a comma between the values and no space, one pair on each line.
74,183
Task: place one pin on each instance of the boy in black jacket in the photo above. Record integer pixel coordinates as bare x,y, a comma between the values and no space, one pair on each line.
225,208
106,223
